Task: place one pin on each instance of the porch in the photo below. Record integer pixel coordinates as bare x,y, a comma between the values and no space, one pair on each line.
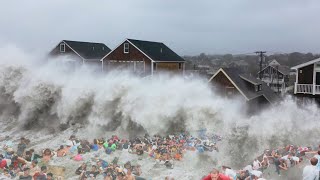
307,89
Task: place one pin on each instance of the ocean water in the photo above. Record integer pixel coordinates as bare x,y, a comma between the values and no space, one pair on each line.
47,101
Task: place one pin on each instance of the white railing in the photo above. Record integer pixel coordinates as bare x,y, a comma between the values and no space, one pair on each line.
304,88
317,89
307,89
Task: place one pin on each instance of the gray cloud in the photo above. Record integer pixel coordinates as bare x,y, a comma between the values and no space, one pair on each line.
189,27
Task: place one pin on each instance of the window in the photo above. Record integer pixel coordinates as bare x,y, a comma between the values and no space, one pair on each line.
62,47
230,91
180,65
258,87
300,71
154,66
126,47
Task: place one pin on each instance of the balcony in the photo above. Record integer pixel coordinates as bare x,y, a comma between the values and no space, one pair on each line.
307,89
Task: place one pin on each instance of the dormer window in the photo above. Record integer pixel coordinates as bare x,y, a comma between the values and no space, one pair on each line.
62,47
126,47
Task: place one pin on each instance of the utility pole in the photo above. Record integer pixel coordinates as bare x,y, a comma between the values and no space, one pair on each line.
261,54
278,78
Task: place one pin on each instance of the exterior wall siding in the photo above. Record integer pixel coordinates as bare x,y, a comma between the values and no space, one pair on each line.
133,55
68,52
224,86
306,76
172,67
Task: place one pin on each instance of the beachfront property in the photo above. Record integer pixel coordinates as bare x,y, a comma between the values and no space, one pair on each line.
143,58
276,76
307,79
231,82
80,53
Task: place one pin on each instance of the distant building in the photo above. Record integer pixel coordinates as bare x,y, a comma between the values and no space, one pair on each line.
144,58
308,79
80,53
276,76
242,65
231,82
274,63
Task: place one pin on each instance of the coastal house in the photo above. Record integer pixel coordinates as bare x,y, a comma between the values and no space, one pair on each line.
143,58
276,76
79,53
231,82
308,79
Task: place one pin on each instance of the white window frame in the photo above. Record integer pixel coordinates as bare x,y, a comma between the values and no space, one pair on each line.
126,48
64,47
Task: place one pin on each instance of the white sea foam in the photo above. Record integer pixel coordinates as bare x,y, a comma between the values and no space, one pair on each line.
40,97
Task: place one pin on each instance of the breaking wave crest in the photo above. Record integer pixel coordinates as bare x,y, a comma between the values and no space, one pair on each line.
37,94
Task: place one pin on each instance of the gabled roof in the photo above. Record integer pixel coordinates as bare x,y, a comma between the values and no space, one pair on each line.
242,83
250,79
274,63
306,64
285,70
88,50
156,51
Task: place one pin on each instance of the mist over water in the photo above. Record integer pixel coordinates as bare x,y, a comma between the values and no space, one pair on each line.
39,94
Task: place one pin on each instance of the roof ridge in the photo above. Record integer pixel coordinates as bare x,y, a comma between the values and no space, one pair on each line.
83,42
145,41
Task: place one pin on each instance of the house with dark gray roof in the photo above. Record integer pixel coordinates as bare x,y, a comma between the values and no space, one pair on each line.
231,82
79,52
143,58
276,76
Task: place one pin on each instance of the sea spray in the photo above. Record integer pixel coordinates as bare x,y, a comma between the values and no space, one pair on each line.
44,97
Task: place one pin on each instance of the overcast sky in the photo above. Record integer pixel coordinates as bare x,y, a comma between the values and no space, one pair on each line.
189,27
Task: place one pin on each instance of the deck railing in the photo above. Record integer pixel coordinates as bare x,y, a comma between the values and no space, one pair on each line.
307,89
317,89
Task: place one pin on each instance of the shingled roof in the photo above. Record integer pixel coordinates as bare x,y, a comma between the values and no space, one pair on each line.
285,70
88,50
242,82
157,51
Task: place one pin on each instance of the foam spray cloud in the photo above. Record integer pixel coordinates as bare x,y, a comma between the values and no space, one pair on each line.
41,94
